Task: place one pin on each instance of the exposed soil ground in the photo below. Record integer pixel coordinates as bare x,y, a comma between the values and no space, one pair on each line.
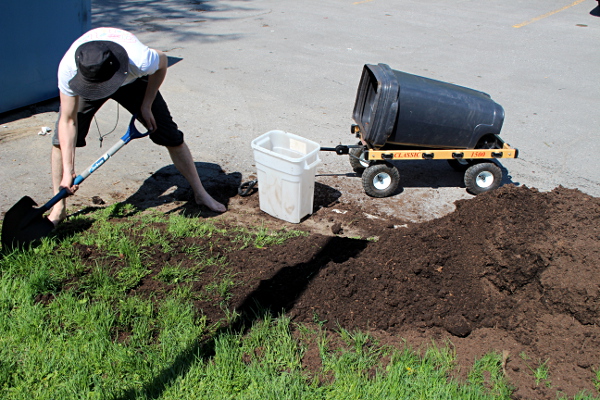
513,271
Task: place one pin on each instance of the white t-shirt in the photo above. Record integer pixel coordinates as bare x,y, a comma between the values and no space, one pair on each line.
142,59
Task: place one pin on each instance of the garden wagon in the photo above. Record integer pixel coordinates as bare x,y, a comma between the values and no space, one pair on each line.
400,116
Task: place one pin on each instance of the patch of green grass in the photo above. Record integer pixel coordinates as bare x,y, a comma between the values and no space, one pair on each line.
580,396
151,217
267,363
100,284
488,372
222,287
264,237
114,211
130,276
177,274
195,251
261,236
107,235
180,226
154,236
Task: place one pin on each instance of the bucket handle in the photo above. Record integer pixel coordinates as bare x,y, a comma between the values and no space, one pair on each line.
314,164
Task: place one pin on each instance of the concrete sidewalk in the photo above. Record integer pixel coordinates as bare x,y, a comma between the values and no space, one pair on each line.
242,68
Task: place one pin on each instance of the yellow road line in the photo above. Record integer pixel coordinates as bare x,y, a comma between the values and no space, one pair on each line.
522,24
361,2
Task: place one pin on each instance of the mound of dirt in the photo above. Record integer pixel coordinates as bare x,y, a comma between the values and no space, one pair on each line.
513,271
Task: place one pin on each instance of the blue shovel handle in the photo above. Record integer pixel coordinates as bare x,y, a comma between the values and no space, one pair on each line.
132,133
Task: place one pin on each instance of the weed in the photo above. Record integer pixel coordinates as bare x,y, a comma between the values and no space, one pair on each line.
184,293
221,288
541,372
231,315
151,217
262,236
317,320
488,372
195,251
118,210
180,226
130,276
154,236
173,274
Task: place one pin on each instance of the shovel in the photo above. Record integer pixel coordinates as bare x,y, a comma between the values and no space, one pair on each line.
24,224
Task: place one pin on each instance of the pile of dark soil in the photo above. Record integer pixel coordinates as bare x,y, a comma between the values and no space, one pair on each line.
513,271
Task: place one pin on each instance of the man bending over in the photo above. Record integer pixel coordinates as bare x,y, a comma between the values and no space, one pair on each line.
110,63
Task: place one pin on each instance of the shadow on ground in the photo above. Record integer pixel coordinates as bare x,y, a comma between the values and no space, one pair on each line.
184,21
167,185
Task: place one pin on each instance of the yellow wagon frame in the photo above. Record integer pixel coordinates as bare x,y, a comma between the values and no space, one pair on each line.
446,154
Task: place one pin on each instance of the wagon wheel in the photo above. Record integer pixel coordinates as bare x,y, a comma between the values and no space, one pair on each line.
357,160
482,177
459,164
381,180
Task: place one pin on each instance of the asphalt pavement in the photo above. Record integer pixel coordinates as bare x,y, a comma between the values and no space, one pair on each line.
242,68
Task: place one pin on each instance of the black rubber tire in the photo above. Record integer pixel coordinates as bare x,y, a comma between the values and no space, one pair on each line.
459,164
381,180
482,177
357,161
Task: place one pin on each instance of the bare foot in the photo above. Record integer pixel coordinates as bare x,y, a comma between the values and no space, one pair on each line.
57,219
58,214
211,203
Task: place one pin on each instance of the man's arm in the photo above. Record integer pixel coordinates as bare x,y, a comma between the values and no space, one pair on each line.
67,137
154,82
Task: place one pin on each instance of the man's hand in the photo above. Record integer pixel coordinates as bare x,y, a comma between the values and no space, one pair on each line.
67,184
148,119
154,82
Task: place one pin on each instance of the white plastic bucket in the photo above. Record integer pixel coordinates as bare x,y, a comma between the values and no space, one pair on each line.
286,165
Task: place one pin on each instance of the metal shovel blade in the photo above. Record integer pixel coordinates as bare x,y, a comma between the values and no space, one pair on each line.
24,224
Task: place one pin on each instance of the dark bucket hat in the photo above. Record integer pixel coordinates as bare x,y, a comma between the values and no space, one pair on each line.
101,69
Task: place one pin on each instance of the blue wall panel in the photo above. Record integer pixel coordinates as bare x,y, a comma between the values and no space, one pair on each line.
34,35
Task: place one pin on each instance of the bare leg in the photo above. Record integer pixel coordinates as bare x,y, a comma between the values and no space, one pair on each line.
59,211
182,158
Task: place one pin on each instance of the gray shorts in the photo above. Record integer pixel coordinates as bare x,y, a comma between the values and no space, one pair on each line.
130,97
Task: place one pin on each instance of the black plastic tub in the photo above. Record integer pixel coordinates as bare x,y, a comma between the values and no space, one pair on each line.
397,109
